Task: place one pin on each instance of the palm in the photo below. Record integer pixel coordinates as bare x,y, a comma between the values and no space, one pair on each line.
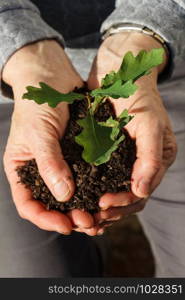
155,142
34,134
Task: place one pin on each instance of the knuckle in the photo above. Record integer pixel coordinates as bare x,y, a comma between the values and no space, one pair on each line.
43,227
5,159
6,162
115,218
170,148
155,164
46,166
158,126
106,214
173,150
21,213
174,147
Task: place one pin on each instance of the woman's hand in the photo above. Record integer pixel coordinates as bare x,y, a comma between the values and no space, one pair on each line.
150,127
36,131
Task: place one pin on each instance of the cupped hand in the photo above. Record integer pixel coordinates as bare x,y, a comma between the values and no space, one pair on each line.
35,133
150,127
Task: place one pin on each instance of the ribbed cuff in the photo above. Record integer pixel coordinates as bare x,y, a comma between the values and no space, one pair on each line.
21,26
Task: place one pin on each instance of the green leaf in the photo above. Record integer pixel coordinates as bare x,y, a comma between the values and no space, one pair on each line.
117,124
110,122
96,140
124,118
124,114
95,103
46,94
117,90
107,155
134,67
109,79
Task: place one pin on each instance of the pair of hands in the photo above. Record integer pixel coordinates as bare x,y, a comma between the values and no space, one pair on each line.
36,131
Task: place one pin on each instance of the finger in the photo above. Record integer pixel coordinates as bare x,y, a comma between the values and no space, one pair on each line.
101,231
117,199
115,213
168,157
90,231
103,221
105,224
54,169
32,210
149,143
81,218
158,177
93,81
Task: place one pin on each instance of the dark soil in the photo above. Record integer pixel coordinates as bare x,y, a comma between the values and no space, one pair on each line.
91,181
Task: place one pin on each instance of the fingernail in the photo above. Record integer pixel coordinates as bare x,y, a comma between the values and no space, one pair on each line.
108,225
64,233
61,190
103,206
100,232
114,218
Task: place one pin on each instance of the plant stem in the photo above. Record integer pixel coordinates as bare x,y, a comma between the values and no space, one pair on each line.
89,101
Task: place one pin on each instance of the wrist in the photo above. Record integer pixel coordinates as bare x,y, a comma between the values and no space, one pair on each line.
120,43
42,61
28,60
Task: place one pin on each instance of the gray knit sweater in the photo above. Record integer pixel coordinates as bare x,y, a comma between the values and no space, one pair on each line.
80,22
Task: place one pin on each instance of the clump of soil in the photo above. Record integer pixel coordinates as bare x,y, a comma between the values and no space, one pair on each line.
91,181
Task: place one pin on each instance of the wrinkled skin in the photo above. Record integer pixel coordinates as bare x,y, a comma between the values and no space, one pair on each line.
150,127
36,130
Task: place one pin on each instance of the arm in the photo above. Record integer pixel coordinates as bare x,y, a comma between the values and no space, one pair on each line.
166,18
21,24
29,54
155,141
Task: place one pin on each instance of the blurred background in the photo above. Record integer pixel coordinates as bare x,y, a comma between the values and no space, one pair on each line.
129,253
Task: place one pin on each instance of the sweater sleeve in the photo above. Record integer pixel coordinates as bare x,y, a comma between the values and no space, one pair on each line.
165,17
21,24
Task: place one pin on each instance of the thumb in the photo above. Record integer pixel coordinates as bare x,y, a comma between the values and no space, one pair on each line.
148,163
94,80
54,169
